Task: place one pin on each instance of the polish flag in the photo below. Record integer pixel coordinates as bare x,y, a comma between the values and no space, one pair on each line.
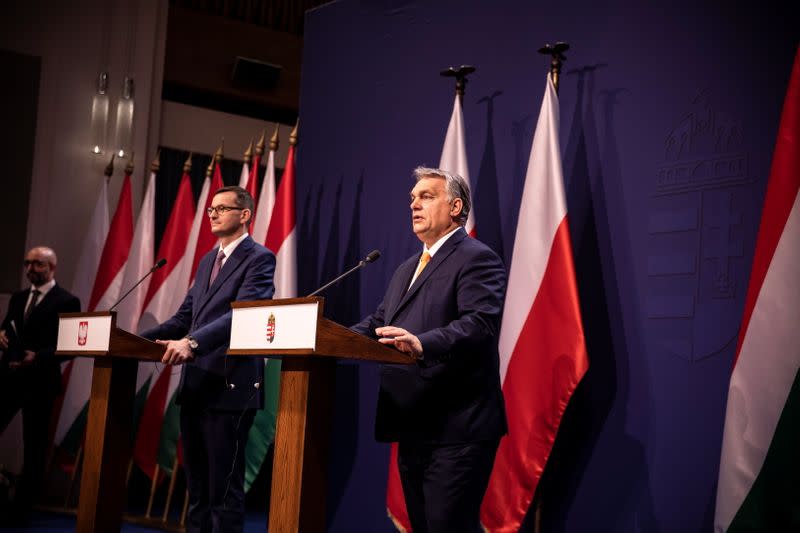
542,351
454,155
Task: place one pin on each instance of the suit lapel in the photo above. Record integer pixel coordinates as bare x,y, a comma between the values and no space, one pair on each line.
230,266
437,260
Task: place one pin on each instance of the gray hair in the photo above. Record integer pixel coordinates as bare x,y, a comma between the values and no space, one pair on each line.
457,187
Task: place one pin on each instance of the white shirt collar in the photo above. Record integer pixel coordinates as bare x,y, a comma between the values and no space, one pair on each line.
438,244
228,250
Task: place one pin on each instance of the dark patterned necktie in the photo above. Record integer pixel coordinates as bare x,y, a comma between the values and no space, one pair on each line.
28,310
216,268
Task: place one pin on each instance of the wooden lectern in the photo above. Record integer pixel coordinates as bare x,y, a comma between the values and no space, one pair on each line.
107,451
294,330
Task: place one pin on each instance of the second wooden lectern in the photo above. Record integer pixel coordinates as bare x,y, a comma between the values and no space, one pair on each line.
108,430
309,345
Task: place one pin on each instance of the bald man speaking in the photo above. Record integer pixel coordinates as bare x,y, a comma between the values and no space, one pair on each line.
30,377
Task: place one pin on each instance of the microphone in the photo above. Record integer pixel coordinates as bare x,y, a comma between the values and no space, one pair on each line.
161,263
371,258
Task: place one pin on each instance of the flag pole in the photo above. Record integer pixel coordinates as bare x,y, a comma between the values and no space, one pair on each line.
557,57
460,74
155,164
129,165
293,135
261,142
109,170
273,141
187,165
248,154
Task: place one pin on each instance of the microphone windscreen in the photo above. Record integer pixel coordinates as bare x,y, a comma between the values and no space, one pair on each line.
372,256
161,262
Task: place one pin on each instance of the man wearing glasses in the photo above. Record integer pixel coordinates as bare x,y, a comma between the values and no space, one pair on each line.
30,377
218,395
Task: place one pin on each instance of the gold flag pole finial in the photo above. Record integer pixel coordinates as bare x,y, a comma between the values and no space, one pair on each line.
155,165
248,154
261,143
556,53
274,142
187,165
218,153
109,170
293,135
460,74
129,165
210,168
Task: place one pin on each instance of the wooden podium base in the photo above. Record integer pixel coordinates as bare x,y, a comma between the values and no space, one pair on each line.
108,445
299,472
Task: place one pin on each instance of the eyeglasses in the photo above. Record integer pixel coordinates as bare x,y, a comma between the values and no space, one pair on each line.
222,209
35,263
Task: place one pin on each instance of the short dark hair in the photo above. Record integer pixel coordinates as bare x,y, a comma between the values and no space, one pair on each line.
243,198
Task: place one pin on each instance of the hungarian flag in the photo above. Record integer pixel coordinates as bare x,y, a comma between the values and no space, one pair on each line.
77,373
542,349
454,155
166,292
266,200
758,488
282,240
163,408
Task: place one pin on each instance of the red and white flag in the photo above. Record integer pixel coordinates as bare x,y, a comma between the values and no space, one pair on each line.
266,200
542,350
454,155
249,177
757,489
108,283
140,260
106,290
77,373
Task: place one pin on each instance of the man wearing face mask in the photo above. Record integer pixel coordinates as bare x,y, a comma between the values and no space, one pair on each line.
30,376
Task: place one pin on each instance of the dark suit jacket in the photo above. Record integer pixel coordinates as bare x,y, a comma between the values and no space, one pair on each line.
453,395
39,334
206,315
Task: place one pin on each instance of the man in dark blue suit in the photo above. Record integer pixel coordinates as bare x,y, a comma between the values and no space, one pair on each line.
446,412
218,395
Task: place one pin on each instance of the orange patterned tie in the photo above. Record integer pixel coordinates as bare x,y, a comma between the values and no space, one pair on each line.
423,262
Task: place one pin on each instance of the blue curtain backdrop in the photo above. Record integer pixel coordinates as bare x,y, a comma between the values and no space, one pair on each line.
669,117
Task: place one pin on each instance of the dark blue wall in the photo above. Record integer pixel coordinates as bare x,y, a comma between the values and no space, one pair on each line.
668,119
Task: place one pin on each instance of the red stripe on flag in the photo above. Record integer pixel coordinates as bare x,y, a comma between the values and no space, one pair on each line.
252,181
205,239
548,362
283,219
176,234
117,245
395,499
782,189
145,449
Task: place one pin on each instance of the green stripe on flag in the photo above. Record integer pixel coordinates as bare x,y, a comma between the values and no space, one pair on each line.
170,431
773,503
263,431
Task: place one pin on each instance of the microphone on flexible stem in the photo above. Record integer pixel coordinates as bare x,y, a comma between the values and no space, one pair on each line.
371,258
161,263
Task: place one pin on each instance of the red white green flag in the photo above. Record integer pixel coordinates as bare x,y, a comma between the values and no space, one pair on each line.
758,488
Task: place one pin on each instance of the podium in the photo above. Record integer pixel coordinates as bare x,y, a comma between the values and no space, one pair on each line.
294,330
108,446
